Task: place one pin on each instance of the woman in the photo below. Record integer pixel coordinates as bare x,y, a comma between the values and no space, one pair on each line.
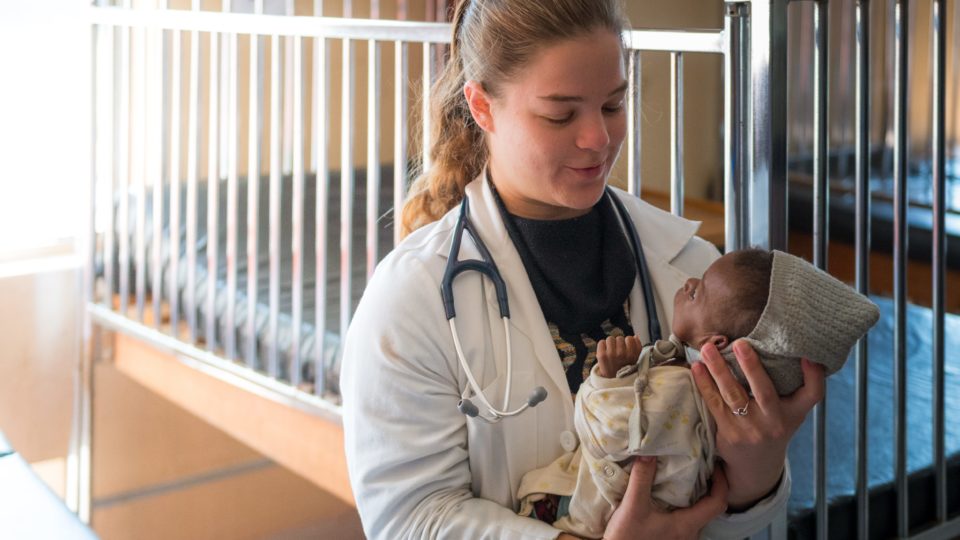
528,120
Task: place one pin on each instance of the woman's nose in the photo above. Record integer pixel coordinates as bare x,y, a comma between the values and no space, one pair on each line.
593,134
690,284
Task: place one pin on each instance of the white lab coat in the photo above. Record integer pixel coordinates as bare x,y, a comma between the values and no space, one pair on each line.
421,469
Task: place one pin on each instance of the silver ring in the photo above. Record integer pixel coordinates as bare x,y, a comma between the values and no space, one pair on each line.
742,411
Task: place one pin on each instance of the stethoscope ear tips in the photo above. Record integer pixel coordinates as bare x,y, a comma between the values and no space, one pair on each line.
539,394
468,408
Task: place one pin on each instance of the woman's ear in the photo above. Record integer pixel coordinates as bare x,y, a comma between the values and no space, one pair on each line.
720,342
479,103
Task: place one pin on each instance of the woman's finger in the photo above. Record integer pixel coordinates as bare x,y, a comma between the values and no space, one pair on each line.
761,385
640,483
709,507
711,395
733,393
810,393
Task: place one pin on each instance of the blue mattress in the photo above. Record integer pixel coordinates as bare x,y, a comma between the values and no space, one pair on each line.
841,426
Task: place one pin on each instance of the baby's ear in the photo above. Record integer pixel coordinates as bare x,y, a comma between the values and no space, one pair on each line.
720,342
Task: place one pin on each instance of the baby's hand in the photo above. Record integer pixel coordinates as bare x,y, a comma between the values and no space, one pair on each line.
615,353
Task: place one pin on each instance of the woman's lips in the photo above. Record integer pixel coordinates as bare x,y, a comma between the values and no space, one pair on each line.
588,173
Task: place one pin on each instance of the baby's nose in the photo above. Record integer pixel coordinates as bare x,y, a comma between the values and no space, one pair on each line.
690,284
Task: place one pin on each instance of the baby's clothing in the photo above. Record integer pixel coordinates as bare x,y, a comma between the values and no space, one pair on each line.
649,409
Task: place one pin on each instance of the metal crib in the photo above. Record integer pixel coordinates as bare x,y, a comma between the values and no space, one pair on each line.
194,247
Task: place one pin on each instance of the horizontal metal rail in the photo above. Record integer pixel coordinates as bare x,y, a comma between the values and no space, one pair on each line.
217,366
692,41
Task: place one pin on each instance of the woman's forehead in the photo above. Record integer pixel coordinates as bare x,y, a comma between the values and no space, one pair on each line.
585,67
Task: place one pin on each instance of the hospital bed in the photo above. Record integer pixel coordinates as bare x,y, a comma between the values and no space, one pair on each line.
173,211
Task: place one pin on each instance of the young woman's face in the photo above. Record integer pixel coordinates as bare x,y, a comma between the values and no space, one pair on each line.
557,126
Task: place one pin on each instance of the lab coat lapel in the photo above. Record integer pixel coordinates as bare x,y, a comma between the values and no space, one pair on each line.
662,236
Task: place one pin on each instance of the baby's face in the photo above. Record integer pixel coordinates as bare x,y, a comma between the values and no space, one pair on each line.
701,305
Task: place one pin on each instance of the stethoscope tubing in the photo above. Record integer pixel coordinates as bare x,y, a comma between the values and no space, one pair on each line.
487,267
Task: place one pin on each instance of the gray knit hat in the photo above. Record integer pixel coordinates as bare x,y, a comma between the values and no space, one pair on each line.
809,314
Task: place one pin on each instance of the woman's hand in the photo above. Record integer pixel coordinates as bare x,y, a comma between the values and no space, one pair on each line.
637,516
753,445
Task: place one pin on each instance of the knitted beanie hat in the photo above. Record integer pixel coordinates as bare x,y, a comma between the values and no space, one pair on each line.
809,314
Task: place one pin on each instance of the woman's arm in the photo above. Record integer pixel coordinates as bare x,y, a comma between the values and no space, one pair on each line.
406,442
754,446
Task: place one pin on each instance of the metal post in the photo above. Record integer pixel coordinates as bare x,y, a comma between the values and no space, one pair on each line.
736,63
862,242
765,174
634,127
821,194
939,251
900,262
676,133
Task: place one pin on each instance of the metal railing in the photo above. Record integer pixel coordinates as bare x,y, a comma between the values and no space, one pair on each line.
142,132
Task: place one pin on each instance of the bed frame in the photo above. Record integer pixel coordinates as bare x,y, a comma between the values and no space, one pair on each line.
172,91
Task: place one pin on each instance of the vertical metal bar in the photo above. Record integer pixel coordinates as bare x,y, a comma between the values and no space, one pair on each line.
273,359
400,68
140,164
225,67
425,115
79,462
322,211
321,166
288,72
110,91
213,193
736,63
254,133
316,82
346,187
939,251
899,262
193,171
766,175
821,195
676,133
373,153
155,156
635,125
233,193
297,248
862,241
123,157
174,171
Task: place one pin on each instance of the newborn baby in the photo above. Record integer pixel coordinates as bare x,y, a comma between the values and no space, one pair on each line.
642,401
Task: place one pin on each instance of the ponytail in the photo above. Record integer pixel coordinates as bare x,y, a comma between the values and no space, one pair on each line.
458,153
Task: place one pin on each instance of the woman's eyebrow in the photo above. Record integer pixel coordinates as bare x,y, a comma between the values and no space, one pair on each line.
576,99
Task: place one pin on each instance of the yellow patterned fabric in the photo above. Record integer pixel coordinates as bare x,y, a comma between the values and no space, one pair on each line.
644,411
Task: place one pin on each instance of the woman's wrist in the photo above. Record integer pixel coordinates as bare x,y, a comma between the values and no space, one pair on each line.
750,486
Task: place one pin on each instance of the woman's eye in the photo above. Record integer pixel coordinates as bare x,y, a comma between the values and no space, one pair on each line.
611,109
559,121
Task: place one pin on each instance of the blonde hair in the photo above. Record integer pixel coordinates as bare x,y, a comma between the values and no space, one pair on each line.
492,40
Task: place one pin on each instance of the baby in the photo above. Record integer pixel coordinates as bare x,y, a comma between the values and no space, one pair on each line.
641,400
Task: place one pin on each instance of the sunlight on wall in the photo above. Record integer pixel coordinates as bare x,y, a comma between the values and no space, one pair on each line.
44,138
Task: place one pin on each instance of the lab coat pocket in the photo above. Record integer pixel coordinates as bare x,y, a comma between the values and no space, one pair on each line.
495,446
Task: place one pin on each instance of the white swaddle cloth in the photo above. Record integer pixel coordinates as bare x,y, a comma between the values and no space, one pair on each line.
647,410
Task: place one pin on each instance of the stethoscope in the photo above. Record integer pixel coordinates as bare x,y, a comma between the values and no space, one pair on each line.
487,267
